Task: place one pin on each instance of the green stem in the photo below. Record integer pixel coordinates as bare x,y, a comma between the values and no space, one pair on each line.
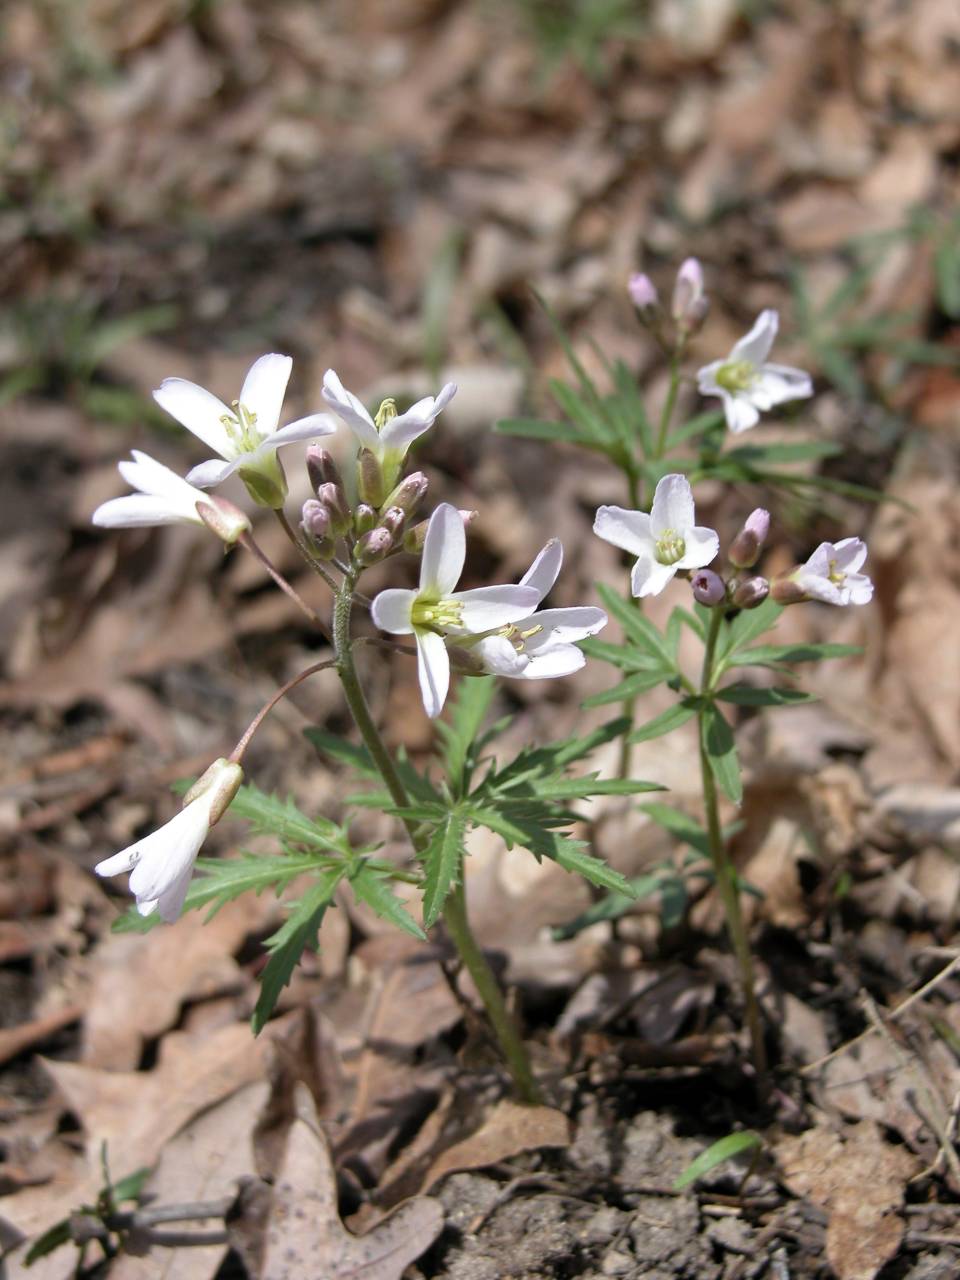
455,911
724,871
670,403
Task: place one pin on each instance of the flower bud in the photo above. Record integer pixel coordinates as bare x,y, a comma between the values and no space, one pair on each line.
321,468
223,518
745,548
373,546
364,518
409,493
224,778
413,539
369,478
689,305
708,587
393,520
331,495
785,591
643,292
750,592
315,520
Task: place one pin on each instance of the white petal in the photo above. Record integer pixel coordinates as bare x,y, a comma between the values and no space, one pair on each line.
149,476
487,607
565,625
444,551
433,668
778,383
818,565
819,588
263,390
500,658
120,862
170,903
206,474
400,432
563,660
861,588
349,408
137,511
850,554
707,383
197,410
390,611
702,546
629,530
756,345
316,424
167,854
543,573
649,577
672,506
740,411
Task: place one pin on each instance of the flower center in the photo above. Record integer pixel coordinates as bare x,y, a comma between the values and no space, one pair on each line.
386,413
436,615
836,576
670,547
517,637
736,375
241,427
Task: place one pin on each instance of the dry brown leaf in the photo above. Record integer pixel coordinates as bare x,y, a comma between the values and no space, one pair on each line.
303,1237
860,1183
508,1130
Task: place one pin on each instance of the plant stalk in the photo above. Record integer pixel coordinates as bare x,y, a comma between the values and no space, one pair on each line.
724,871
455,910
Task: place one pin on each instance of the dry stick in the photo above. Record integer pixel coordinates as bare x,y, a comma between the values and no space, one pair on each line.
891,1015
454,912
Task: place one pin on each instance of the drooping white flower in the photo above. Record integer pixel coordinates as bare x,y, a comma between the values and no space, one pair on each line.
245,436
664,541
161,864
541,646
689,304
163,498
390,434
747,383
832,574
436,609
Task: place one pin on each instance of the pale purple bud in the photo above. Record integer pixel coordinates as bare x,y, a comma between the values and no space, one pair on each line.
393,520
708,587
321,468
373,546
643,292
369,479
750,592
331,495
364,518
689,304
785,591
409,493
745,548
315,520
223,518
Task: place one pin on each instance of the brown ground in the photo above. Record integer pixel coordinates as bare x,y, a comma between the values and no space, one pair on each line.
376,187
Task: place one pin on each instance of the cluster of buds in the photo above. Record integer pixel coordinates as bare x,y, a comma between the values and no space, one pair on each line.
373,529
688,306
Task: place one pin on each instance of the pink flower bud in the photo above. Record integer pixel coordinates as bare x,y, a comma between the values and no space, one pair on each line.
364,518
409,493
373,546
315,519
393,520
643,292
689,304
745,549
223,518
708,587
750,592
331,495
321,468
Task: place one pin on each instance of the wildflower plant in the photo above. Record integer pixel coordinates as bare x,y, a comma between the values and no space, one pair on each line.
460,640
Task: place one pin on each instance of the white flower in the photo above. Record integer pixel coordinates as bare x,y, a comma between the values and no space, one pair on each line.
436,608
832,574
541,646
390,434
746,383
165,498
247,436
665,540
162,863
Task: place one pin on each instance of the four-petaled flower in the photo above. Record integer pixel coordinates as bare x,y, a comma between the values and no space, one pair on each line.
163,498
162,862
541,646
832,574
664,541
746,383
246,436
390,434
436,609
